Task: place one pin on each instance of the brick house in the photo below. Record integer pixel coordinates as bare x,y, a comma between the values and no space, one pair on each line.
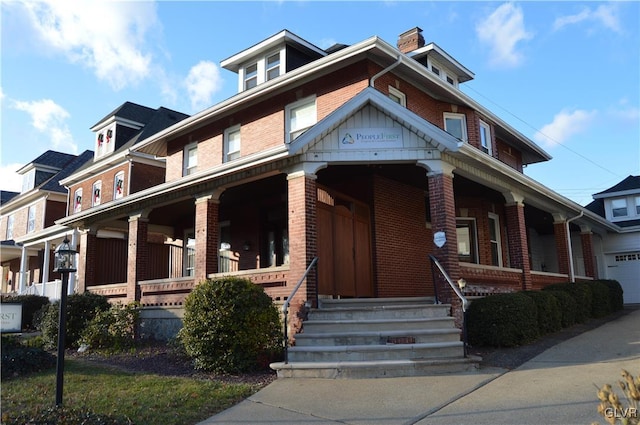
620,251
368,157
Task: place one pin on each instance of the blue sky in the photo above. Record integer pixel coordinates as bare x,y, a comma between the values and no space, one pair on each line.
565,74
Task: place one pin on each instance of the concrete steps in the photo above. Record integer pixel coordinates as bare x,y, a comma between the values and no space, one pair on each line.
377,337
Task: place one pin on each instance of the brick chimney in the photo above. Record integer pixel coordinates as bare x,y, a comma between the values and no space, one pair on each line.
410,40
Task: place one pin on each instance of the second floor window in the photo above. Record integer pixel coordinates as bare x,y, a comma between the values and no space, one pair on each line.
31,219
10,221
96,198
190,159
485,137
300,116
456,125
231,143
397,96
77,201
118,185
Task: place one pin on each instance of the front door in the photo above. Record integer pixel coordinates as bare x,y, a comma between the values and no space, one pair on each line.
344,246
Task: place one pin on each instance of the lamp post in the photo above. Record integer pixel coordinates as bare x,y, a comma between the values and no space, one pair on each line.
65,263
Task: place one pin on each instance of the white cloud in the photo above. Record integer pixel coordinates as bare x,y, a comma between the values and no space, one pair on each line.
49,118
565,124
11,180
202,83
502,31
107,37
605,14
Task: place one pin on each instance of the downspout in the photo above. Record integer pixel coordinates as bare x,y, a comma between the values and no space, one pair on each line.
572,277
384,71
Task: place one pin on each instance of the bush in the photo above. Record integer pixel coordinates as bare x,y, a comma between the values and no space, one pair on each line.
229,324
567,305
600,300
581,293
114,328
548,311
19,360
616,294
502,320
31,304
81,309
66,416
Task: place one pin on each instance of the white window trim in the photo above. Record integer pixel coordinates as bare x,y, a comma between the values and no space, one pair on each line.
31,219
186,252
400,95
77,208
498,241
280,64
225,149
10,224
489,145
115,185
185,159
95,185
261,63
295,105
461,117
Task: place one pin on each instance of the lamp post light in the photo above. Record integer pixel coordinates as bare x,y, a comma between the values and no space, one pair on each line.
64,263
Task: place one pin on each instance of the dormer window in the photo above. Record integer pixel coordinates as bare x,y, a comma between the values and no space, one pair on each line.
619,207
28,180
251,76
273,66
105,141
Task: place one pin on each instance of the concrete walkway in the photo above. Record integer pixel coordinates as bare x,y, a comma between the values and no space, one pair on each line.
556,387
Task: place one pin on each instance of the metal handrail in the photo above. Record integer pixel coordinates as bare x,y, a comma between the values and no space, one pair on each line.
465,302
285,308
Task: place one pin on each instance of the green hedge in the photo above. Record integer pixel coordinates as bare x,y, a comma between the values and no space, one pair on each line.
581,293
600,300
548,311
568,307
502,320
31,305
616,294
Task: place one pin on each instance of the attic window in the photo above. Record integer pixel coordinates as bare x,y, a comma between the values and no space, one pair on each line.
251,76
435,70
273,66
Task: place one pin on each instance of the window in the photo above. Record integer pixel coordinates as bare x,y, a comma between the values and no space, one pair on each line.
467,240
31,220
96,193
637,205
28,181
494,236
104,142
273,66
456,125
450,81
189,253
251,76
619,207
397,96
77,201
300,116
118,185
485,137
435,70
190,159
10,221
231,143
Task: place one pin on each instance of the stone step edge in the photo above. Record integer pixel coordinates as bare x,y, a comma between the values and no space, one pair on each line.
377,308
374,321
379,347
389,300
392,333
374,363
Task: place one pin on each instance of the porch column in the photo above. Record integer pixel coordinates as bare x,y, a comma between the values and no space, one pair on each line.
85,276
137,255
586,237
517,237
45,263
24,260
71,288
560,230
443,219
302,194
207,238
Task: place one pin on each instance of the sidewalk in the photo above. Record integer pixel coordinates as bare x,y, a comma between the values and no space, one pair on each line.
556,387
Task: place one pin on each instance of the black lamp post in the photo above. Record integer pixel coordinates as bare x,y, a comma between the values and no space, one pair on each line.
65,263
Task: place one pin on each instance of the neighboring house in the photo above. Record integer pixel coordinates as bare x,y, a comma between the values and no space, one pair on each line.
620,251
26,217
367,156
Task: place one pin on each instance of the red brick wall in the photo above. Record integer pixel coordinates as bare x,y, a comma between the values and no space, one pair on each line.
401,240
107,179
587,252
143,176
562,247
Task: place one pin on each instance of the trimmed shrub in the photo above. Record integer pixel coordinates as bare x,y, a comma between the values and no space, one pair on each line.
600,299
502,320
548,311
19,360
114,328
567,305
81,309
581,293
67,416
31,304
616,294
229,325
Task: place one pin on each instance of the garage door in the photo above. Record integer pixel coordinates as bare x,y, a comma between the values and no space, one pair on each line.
625,268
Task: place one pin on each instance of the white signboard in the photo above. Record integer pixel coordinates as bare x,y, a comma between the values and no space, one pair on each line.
370,138
11,315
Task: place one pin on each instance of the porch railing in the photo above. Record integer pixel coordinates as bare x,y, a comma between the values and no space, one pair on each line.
285,308
458,292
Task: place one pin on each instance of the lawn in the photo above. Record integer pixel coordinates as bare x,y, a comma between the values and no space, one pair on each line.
142,397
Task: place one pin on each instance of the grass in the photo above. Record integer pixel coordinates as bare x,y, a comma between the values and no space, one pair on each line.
143,398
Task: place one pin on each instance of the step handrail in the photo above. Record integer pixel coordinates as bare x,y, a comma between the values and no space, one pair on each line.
456,289
285,307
